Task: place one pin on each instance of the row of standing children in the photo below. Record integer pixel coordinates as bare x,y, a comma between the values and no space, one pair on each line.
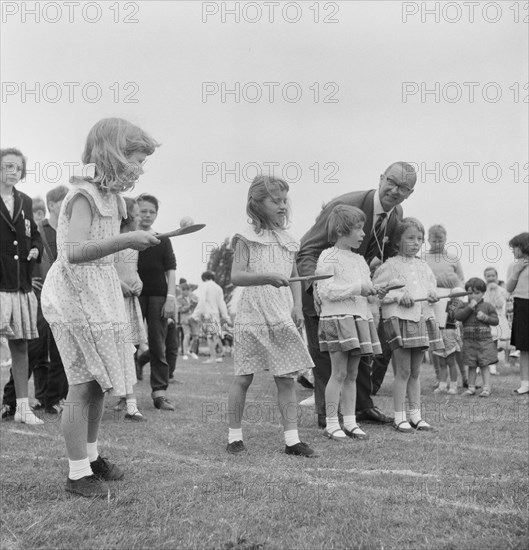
83,292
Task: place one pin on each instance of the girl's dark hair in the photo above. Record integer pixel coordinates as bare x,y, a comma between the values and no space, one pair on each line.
16,153
475,283
149,198
521,241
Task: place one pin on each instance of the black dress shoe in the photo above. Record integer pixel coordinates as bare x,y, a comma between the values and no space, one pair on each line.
374,415
163,403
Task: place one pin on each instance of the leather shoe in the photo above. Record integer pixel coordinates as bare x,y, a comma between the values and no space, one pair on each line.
374,415
161,402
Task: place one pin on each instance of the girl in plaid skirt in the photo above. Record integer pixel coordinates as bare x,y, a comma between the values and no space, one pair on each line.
346,328
409,325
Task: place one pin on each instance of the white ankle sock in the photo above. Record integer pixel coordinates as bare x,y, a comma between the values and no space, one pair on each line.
443,386
234,435
415,415
92,451
291,437
332,423
24,413
132,406
79,468
23,404
400,416
349,422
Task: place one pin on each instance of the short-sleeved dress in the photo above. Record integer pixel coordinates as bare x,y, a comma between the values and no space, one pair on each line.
84,305
265,336
127,268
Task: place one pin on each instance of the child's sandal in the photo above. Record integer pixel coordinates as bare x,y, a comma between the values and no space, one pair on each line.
421,426
355,433
333,434
400,428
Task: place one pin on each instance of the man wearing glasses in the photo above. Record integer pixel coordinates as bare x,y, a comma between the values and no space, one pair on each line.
383,211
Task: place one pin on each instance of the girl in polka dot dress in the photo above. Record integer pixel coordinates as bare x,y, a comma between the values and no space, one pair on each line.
82,298
269,311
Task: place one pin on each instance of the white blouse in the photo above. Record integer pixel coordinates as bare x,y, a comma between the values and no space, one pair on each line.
419,280
340,294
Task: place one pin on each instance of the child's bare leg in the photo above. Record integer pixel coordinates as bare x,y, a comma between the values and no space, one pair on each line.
402,360
19,366
462,368
524,372
452,366
348,400
348,396
414,385
237,400
472,375
74,420
442,374
333,390
485,375
288,405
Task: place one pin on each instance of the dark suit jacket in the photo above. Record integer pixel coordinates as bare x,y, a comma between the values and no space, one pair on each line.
315,241
17,236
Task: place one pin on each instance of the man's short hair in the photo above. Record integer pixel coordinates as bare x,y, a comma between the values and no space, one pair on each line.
148,198
57,194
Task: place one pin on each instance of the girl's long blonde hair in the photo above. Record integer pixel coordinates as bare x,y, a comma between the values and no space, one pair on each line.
109,144
263,187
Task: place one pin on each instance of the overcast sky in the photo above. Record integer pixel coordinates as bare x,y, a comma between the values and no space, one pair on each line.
329,93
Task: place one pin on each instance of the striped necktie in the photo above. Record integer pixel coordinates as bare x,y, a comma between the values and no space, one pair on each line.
376,244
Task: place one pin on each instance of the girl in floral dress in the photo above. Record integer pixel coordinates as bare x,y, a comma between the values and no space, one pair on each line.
269,311
82,298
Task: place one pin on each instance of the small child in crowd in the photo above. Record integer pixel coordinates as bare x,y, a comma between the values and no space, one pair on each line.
479,350
497,296
131,285
346,327
452,344
518,285
409,324
186,303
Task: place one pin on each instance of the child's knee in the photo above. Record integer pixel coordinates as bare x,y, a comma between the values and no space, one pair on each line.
243,381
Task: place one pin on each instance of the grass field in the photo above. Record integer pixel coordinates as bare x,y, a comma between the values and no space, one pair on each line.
463,487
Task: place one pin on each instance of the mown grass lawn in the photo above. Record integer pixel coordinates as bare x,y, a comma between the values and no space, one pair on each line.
463,487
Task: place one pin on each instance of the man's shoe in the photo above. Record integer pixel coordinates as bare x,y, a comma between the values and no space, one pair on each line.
161,402
104,470
88,486
55,410
374,415
193,355
236,447
8,412
305,383
300,449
